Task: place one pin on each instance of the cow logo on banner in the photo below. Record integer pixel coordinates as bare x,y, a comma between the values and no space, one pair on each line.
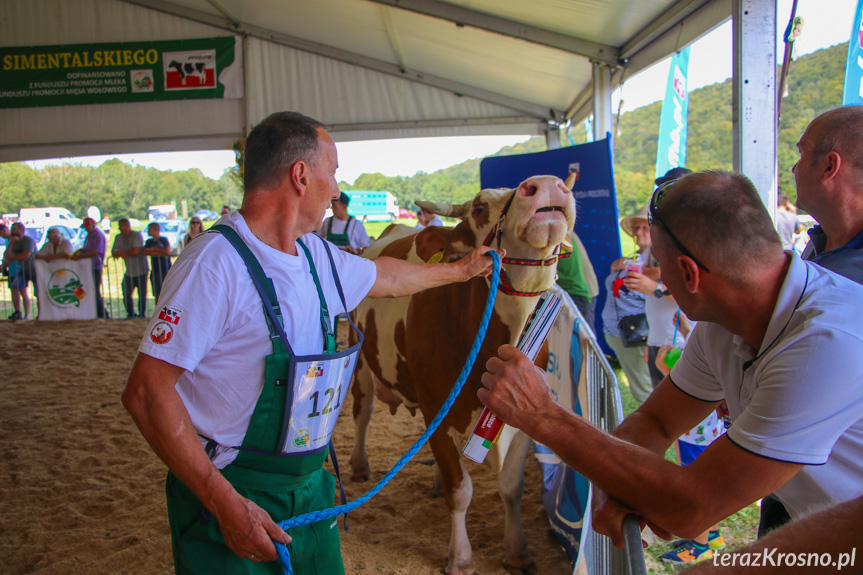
189,70
161,333
65,289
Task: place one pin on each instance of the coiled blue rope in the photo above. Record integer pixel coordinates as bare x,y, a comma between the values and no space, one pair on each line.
315,516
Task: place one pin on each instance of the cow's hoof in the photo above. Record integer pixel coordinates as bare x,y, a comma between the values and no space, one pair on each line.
520,568
361,475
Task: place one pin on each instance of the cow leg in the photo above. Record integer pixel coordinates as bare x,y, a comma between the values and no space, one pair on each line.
458,490
363,391
510,483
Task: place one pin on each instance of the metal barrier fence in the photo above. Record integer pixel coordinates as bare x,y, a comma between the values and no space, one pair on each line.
112,291
606,412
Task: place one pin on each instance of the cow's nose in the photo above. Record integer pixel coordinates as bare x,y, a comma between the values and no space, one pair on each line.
527,190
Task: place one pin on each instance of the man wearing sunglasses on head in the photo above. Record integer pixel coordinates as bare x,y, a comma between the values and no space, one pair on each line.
774,340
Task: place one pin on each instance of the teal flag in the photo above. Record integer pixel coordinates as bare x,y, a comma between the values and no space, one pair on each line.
671,150
853,93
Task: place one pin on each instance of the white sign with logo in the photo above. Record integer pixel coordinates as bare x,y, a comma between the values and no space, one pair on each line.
65,289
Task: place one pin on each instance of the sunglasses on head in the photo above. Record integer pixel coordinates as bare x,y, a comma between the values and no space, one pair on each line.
653,216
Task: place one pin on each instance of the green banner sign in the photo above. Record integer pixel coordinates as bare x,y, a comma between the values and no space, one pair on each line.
119,72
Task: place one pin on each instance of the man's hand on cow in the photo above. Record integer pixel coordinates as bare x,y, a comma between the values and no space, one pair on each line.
249,531
478,263
515,389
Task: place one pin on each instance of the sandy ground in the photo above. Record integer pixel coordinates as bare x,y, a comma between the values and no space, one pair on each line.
81,492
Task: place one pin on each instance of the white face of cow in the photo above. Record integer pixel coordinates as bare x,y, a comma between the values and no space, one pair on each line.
540,215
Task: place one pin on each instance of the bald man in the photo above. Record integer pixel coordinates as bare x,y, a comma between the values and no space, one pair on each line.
829,177
774,337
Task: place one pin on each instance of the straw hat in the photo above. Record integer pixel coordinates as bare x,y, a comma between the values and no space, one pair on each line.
626,223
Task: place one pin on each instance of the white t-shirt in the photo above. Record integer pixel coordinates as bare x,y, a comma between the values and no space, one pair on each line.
660,319
802,400
64,247
210,321
357,236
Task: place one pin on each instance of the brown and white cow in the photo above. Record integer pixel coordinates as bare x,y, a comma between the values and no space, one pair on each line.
415,347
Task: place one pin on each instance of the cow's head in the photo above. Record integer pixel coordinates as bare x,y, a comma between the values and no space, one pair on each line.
536,218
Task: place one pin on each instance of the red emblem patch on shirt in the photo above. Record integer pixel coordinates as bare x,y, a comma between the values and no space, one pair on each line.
315,371
170,314
161,333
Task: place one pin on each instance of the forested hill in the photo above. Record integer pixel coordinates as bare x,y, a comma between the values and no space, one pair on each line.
814,86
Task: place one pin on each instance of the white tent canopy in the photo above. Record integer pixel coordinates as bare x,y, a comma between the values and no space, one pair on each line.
369,69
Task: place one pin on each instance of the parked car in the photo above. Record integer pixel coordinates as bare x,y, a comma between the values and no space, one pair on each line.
175,231
406,214
207,215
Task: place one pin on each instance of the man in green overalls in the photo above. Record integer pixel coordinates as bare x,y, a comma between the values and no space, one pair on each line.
240,410
344,230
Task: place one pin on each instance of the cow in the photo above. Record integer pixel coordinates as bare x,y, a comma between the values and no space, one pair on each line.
416,346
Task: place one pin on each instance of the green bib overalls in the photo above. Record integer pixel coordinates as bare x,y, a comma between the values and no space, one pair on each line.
268,469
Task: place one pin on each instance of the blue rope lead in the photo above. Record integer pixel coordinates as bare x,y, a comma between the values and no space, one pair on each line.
315,516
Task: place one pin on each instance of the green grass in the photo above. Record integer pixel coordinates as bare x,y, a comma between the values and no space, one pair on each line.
737,530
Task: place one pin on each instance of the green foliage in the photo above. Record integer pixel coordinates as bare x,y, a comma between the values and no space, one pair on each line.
814,86
117,189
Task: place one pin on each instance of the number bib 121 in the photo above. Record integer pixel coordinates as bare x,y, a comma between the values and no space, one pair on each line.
320,388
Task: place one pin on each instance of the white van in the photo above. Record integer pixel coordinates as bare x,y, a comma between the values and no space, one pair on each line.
29,216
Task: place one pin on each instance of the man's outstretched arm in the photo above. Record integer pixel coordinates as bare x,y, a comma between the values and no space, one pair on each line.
396,278
630,466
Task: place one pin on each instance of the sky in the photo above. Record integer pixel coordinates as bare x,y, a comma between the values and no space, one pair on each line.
826,23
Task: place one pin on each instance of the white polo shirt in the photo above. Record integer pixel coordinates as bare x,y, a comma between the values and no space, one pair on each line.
210,321
801,400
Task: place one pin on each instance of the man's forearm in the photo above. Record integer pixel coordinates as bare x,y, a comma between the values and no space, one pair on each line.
396,278
636,476
162,418
837,531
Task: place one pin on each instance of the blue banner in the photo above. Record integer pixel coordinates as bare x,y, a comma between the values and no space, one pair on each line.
671,150
853,93
595,198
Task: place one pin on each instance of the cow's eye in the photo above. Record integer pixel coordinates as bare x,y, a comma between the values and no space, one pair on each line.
478,209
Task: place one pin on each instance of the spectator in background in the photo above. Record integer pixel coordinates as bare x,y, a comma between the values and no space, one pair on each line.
621,302
4,231
226,210
576,276
94,248
196,228
159,250
128,245
344,230
786,221
829,177
427,218
18,263
57,247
